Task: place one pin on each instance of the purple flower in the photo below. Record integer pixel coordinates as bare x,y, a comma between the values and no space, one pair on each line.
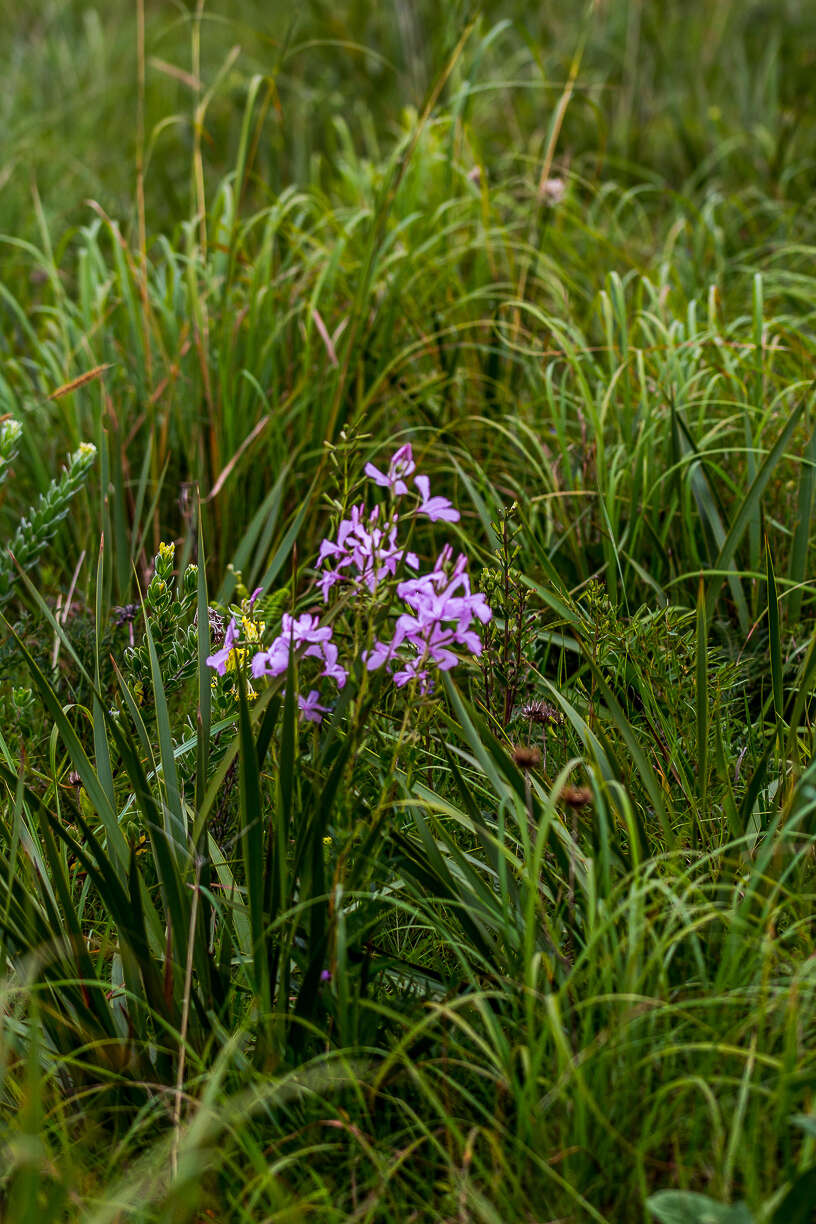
332,669
364,552
436,508
298,633
442,611
310,708
220,659
401,466
304,629
414,671
274,661
381,652
256,594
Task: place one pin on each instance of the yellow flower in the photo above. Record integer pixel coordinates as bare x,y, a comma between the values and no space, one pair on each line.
237,656
253,630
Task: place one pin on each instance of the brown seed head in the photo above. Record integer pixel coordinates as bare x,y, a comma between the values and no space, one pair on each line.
527,758
541,712
576,796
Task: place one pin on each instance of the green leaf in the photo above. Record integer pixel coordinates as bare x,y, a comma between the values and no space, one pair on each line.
799,1203
797,570
252,840
748,507
686,1207
204,689
774,644
701,698
175,824
79,759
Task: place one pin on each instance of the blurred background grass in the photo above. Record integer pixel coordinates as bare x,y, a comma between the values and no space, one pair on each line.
707,90
383,173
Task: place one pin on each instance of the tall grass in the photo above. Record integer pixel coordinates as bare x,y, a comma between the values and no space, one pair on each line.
396,968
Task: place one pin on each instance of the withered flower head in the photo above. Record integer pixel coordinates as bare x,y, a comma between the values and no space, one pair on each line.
576,796
217,626
527,758
542,712
126,614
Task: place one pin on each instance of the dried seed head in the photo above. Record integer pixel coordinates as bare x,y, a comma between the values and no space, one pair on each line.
126,614
542,712
576,796
218,626
527,758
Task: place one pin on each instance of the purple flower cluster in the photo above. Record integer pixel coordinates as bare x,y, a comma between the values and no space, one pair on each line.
401,466
310,639
303,634
363,551
366,548
442,611
439,608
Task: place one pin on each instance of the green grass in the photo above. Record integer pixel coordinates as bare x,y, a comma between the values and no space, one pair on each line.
544,1003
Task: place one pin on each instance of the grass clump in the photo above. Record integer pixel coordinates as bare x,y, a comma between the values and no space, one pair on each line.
297,921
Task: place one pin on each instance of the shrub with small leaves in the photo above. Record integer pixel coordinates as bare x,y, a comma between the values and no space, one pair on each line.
170,612
10,433
40,525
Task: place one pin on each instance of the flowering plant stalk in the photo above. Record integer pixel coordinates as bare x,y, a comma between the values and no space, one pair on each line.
38,528
433,616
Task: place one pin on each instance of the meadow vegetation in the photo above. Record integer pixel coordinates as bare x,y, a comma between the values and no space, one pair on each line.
527,938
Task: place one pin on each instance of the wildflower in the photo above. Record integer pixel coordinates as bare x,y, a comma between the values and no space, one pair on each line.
364,552
216,624
296,633
310,708
304,629
552,190
436,508
401,465
541,712
442,611
332,669
221,660
126,614
253,630
274,661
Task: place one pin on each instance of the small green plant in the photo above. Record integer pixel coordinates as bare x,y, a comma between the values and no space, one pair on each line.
39,526
170,611
508,639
